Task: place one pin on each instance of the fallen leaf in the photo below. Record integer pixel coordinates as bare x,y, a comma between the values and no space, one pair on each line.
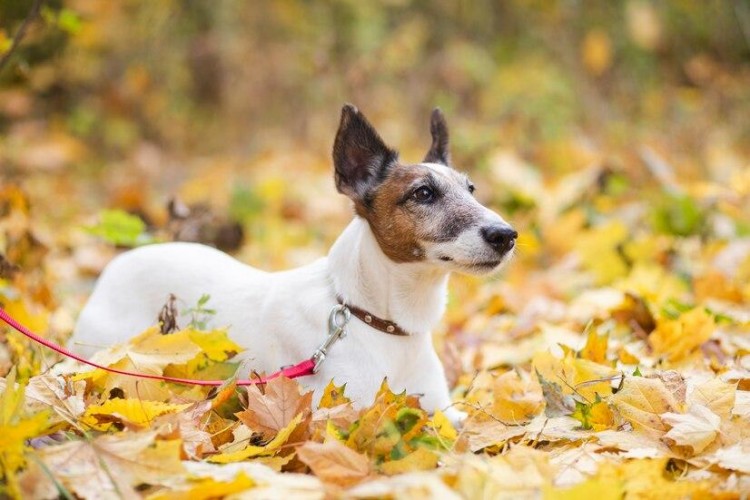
697,428
333,395
716,395
419,459
335,463
518,397
641,401
676,339
251,451
133,412
270,412
113,464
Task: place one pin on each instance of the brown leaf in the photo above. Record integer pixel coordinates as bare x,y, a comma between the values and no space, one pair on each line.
335,463
270,412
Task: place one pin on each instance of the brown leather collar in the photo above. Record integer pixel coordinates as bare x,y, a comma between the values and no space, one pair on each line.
383,325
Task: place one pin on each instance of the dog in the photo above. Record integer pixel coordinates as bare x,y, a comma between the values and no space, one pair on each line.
414,224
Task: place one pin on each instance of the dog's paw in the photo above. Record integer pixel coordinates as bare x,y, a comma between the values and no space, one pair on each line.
457,417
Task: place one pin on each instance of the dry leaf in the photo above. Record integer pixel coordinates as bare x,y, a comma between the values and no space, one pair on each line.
518,397
270,412
335,463
641,401
697,428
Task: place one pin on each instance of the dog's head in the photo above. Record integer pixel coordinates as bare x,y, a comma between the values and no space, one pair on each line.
424,212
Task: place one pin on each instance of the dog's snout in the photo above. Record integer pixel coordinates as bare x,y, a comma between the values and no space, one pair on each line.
500,237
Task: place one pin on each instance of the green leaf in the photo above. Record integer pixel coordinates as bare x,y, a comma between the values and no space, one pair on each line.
120,228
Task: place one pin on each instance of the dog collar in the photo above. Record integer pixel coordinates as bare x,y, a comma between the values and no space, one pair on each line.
380,324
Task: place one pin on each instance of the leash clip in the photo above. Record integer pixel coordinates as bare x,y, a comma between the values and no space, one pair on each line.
337,321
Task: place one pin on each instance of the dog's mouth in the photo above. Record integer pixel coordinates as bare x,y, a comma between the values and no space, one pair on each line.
484,265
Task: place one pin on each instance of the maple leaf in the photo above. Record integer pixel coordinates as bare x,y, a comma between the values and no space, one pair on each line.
417,460
335,463
132,412
208,488
596,347
578,376
641,401
333,395
270,412
596,416
697,428
557,403
112,465
518,397
251,451
716,395
677,339
735,457
15,430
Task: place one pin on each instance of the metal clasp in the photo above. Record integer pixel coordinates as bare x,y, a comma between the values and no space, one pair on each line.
337,321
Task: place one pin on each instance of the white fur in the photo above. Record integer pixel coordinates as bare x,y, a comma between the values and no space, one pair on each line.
280,318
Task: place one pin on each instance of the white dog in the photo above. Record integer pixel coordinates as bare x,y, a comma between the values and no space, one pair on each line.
414,224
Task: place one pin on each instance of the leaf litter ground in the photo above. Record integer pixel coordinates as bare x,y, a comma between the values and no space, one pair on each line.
611,359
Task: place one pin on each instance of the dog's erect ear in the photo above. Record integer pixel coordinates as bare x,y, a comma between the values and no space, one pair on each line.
360,156
438,152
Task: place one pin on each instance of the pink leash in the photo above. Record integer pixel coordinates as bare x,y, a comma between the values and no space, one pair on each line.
301,369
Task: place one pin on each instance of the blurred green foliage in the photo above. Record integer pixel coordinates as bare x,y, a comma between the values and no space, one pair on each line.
120,228
208,76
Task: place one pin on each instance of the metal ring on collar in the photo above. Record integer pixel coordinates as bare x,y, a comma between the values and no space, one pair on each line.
339,317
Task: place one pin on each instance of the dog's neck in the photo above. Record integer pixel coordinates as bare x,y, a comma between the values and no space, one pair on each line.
411,294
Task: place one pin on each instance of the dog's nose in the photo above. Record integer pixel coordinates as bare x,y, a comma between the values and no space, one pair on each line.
500,237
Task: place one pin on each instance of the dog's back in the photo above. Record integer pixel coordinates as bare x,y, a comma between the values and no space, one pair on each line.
114,313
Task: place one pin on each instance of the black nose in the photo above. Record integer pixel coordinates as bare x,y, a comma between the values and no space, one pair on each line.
501,238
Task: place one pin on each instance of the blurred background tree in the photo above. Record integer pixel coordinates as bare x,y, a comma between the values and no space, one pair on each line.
205,77
144,93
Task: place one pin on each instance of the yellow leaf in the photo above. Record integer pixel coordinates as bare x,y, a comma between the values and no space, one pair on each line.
443,426
335,463
5,42
134,412
151,351
333,395
601,417
255,451
600,488
208,488
652,283
717,395
677,339
646,479
419,459
518,397
36,321
641,401
596,52
15,431
215,345
575,375
598,250
596,347
384,410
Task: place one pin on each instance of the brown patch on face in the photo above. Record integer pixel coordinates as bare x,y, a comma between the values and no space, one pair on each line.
400,222
395,227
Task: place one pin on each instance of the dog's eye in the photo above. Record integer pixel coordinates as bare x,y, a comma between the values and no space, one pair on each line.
423,194
472,188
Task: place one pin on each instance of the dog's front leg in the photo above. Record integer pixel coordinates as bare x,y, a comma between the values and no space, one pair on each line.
435,392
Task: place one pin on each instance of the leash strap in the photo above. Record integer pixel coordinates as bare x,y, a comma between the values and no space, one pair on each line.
301,369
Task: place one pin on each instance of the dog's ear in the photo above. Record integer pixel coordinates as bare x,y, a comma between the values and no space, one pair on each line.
360,156
438,152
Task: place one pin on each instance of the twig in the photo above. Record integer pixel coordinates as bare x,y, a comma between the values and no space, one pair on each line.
33,13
